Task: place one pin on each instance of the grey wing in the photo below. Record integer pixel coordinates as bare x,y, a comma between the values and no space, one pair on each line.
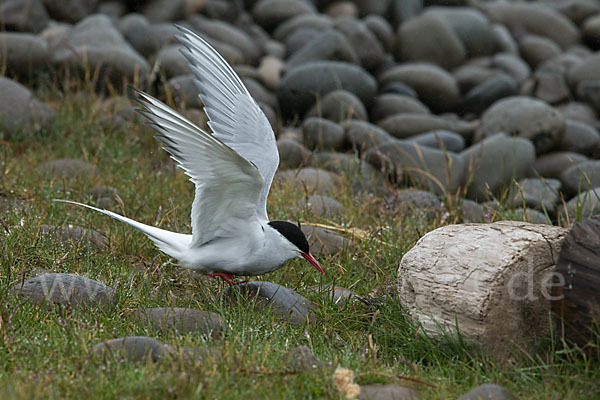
234,116
227,185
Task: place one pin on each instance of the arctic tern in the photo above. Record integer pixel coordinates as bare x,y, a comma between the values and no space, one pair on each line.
232,170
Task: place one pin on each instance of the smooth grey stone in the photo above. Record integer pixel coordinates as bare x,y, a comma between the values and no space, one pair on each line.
10,205
134,348
472,74
323,205
366,46
221,10
589,91
21,115
322,133
183,320
495,162
408,125
70,10
591,31
551,165
398,88
229,34
342,9
103,196
472,27
163,10
580,177
534,18
587,70
523,117
68,168
317,22
539,194
325,241
171,62
428,168
283,301
105,49
302,359
388,104
274,48
184,91
112,9
66,289
382,30
527,215
332,46
270,114
269,71
504,40
335,294
387,392
259,92
137,30
472,211
430,38
292,153
441,139
537,49
270,13
70,235
339,106
578,111
488,92
403,10
489,391
164,34
302,86
23,15
363,135
411,201
579,137
434,86
551,86
312,179
584,205
577,10
512,65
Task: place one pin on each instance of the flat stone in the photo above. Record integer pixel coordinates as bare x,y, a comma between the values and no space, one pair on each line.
336,294
10,205
512,65
184,91
578,111
387,392
527,215
539,194
68,168
137,30
365,44
584,205
495,162
580,137
66,289
70,236
537,49
23,15
552,165
339,106
103,196
440,139
23,54
183,320
382,29
581,177
70,10
283,301
489,391
171,62
434,86
412,201
482,96
317,22
389,104
363,135
133,348
526,118
428,168
323,134
270,13
472,211
324,205
163,10
291,153
302,359
324,241
403,126
313,179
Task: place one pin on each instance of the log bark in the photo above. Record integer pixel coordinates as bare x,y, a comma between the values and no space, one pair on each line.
492,281
578,291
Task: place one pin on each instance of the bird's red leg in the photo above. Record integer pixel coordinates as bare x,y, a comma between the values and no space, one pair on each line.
226,277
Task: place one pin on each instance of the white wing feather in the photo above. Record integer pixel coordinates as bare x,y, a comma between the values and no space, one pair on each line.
234,116
227,185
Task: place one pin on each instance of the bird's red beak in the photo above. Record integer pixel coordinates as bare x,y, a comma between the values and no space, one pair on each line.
313,262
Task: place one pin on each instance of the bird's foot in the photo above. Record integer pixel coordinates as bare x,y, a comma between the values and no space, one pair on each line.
230,279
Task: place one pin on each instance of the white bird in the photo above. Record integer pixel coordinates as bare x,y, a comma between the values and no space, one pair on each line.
232,170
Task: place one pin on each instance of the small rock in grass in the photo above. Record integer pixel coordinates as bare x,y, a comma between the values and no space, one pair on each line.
387,392
322,133
339,106
580,137
552,165
324,241
66,289
312,179
291,153
324,205
104,196
134,348
472,211
69,168
302,359
25,16
581,177
410,201
8,205
70,235
363,135
440,139
285,302
527,215
336,294
584,205
540,194
184,320
489,391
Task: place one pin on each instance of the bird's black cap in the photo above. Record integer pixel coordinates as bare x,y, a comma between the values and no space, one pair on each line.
292,233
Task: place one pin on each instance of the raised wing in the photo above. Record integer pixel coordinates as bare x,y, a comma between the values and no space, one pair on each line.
227,185
234,116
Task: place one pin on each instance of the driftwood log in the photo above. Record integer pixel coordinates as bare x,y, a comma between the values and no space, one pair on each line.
578,291
491,281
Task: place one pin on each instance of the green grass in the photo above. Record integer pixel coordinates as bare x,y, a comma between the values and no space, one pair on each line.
47,353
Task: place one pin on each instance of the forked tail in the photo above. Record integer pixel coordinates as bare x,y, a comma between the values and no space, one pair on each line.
168,242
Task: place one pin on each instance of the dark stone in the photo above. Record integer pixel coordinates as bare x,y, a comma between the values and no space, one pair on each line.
311,179
138,32
363,135
70,10
322,133
270,13
537,49
134,348
184,320
488,391
23,54
335,294
284,302
366,46
387,392
68,168
339,106
389,104
66,289
407,125
23,15
70,236
302,359
580,137
441,139
488,92
411,201
291,153
324,205
539,194
581,177
324,241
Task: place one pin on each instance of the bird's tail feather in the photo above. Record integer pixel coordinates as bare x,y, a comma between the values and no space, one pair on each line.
168,242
